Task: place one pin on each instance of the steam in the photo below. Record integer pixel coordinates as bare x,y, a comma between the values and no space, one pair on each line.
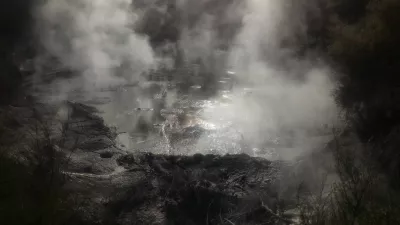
96,42
253,38
95,39
290,96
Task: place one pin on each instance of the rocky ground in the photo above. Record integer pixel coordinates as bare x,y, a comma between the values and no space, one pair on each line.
118,187
108,183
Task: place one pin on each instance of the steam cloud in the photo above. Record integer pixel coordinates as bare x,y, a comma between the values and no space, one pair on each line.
290,95
97,38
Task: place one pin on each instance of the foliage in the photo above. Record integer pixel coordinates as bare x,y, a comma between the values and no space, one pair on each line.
31,181
367,50
360,196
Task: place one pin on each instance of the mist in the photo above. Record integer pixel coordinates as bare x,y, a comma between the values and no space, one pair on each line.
96,40
287,94
276,92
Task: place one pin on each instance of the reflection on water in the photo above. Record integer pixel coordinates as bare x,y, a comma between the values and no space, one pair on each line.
157,117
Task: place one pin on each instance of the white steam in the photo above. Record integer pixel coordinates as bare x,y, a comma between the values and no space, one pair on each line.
95,38
288,95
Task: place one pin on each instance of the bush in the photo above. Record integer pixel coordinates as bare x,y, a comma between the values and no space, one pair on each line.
31,180
360,196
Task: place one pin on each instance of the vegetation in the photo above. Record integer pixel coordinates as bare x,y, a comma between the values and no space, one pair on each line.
360,37
360,195
31,185
364,44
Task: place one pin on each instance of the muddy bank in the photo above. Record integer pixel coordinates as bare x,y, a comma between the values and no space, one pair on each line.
108,184
118,187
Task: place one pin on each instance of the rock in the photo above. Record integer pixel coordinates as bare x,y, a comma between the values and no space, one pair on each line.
106,154
120,188
126,160
187,189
